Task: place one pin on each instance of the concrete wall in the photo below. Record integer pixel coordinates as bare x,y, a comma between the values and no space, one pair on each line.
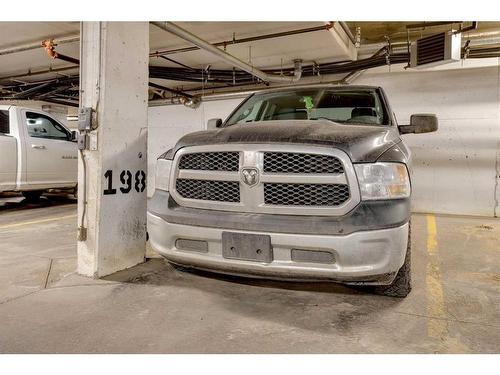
456,169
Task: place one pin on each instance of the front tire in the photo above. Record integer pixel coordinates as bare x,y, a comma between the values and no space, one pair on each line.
401,286
32,195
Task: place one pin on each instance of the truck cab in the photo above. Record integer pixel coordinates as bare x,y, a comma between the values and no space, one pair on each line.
37,152
302,183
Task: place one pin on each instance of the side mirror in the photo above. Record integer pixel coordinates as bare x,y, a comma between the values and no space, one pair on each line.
74,135
420,123
214,123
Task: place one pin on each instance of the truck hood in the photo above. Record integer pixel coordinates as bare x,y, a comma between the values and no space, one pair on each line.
363,143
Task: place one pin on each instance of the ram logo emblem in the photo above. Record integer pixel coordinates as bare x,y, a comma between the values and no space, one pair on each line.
250,176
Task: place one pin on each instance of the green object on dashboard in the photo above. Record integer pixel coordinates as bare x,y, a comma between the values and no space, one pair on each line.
308,100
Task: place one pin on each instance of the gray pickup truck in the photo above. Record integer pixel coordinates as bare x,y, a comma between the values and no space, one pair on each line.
306,183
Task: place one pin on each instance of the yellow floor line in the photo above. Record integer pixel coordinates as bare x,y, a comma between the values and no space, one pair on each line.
436,328
22,223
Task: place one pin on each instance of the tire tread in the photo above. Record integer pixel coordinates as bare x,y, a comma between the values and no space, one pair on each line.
401,286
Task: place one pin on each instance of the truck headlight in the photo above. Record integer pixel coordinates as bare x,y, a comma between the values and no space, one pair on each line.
383,180
162,174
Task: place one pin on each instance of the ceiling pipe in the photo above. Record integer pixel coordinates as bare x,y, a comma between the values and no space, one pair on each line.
352,76
423,25
346,80
50,48
62,102
234,61
36,45
348,32
53,92
188,100
27,93
76,38
30,73
255,38
175,62
172,91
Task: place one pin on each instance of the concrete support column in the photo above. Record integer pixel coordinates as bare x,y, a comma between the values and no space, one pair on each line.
112,173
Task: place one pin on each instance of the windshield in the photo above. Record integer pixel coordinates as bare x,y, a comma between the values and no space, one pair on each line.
353,106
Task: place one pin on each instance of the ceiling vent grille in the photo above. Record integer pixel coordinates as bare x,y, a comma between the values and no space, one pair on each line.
435,50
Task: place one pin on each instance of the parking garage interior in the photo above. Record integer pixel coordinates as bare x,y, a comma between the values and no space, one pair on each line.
78,272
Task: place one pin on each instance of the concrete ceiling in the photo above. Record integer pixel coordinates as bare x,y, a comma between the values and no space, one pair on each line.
318,46
314,46
21,33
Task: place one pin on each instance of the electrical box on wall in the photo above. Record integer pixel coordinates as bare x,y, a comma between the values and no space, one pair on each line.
82,141
436,49
84,127
85,119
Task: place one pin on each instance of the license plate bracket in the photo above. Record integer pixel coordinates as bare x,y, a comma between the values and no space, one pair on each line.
243,246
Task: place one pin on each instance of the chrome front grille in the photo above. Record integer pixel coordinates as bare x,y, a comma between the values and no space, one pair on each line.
306,194
221,191
211,161
285,179
293,162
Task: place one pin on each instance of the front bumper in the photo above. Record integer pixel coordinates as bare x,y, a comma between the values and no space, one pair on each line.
364,257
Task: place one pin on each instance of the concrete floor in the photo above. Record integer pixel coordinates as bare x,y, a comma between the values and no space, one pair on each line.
154,308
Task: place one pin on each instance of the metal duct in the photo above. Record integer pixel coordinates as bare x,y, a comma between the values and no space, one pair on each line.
234,61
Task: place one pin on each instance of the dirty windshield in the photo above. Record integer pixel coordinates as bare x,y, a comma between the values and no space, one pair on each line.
357,106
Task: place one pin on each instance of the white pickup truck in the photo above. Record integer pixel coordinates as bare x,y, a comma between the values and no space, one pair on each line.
37,152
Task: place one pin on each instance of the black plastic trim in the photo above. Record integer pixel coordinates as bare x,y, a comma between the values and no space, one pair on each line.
368,215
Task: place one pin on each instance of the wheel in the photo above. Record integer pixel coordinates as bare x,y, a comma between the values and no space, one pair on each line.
401,286
32,195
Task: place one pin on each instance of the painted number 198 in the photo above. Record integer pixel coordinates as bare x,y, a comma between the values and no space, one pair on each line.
138,182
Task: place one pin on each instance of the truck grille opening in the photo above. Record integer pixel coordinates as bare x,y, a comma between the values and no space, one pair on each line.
289,179
288,162
305,194
222,191
211,161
